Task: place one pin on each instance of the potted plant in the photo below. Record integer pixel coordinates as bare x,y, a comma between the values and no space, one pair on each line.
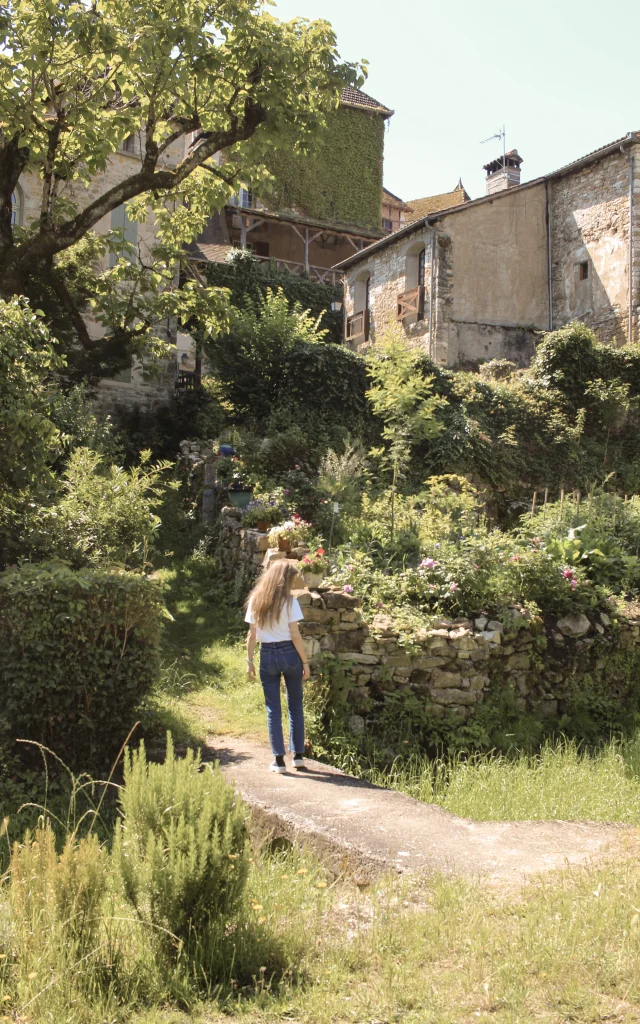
262,513
288,534
313,568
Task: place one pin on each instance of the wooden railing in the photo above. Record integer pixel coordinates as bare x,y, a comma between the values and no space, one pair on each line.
411,303
358,326
324,275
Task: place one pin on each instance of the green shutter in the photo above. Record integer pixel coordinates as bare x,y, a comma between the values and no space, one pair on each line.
129,228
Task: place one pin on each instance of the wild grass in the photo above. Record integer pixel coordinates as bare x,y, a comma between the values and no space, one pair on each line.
560,782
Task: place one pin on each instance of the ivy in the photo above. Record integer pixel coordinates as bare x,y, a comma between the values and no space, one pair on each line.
340,181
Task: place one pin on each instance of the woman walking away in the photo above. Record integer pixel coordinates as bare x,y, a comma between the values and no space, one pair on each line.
273,614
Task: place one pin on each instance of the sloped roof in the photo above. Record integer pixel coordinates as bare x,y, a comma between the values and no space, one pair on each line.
434,204
357,98
209,252
392,200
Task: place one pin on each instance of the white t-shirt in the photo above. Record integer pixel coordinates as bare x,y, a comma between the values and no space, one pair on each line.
278,629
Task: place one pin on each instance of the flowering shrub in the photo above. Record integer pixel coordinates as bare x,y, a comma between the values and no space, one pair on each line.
262,511
316,563
295,530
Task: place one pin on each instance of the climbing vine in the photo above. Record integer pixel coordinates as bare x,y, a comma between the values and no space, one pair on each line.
341,179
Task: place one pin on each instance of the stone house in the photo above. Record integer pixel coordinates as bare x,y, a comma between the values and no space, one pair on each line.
476,280
323,207
130,385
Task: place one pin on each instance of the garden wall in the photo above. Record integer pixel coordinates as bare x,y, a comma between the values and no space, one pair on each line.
455,664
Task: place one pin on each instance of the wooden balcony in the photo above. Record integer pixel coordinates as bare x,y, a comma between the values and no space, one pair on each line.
323,275
358,326
411,303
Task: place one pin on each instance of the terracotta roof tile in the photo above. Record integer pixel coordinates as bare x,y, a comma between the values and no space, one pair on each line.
357,98
433,204
209,252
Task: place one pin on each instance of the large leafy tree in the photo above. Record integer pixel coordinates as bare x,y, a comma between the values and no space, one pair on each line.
186,78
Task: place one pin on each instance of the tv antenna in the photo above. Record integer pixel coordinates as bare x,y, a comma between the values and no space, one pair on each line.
500,134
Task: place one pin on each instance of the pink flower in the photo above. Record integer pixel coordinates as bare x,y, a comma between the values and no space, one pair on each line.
569,573
428,563
320,551
348,589
453,587
287,492
574,584
350,568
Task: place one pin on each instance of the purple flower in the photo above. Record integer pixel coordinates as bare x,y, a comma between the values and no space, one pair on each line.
453,587
436,545
348,589
574,584
287,492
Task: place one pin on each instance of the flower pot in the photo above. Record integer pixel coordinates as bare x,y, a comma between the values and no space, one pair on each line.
263,525
312,579
284,544
238,499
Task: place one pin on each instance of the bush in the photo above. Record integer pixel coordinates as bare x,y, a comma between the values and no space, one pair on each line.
181,846
78,653
104,517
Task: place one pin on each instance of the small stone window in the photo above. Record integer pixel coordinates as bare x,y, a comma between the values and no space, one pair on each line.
583,270
129,144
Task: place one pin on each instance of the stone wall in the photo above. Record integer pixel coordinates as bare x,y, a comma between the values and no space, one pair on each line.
454,664
590,224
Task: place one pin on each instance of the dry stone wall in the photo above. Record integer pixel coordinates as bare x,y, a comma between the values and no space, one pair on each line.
454,664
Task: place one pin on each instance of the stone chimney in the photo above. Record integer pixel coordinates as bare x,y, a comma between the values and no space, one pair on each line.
503,172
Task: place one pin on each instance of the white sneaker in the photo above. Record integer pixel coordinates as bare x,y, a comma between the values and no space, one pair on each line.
298,761
278,766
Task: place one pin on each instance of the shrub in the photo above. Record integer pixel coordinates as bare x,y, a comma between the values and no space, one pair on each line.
181,845
58,897
104,517
78,653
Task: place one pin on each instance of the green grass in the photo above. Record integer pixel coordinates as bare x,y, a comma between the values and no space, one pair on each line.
561,782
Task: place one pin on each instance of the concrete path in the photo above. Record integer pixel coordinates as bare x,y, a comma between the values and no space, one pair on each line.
365,830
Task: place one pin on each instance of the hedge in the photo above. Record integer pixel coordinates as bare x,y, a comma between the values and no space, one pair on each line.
78,652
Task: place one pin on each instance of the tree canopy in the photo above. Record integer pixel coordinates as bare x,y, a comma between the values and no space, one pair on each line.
188,80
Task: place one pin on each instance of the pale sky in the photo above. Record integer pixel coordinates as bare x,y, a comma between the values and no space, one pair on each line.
561,74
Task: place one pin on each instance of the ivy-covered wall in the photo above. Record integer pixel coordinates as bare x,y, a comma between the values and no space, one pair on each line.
341,180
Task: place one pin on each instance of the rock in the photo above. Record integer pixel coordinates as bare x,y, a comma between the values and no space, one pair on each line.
600,628
312,629
445,680
350,617
311,646
558,638
328,642
320,615
492,636
465,643
478,682
517,663
495,626
604,619
299,552
261,542
356,725
351,641
481,622
272,555
549,708
398,661
459,633
334,599
358,659
453,696
303,598
575,624
383,624
347,627
438,632
427,663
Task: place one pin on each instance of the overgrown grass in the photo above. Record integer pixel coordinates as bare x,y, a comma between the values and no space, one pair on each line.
560,782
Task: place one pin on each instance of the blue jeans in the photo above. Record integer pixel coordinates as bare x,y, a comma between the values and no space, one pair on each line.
276,660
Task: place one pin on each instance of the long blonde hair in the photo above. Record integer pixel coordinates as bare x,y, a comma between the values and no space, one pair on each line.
272,592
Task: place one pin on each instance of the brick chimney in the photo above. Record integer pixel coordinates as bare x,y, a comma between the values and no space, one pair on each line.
504,172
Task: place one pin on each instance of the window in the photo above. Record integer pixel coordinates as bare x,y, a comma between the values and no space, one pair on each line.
387,225
260,249
421,261
129,144
129,233
244,199
583,269
16,208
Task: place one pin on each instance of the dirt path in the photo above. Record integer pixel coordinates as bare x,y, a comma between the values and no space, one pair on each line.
366,830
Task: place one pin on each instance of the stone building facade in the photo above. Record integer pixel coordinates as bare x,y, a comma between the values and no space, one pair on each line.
477,281
129,386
